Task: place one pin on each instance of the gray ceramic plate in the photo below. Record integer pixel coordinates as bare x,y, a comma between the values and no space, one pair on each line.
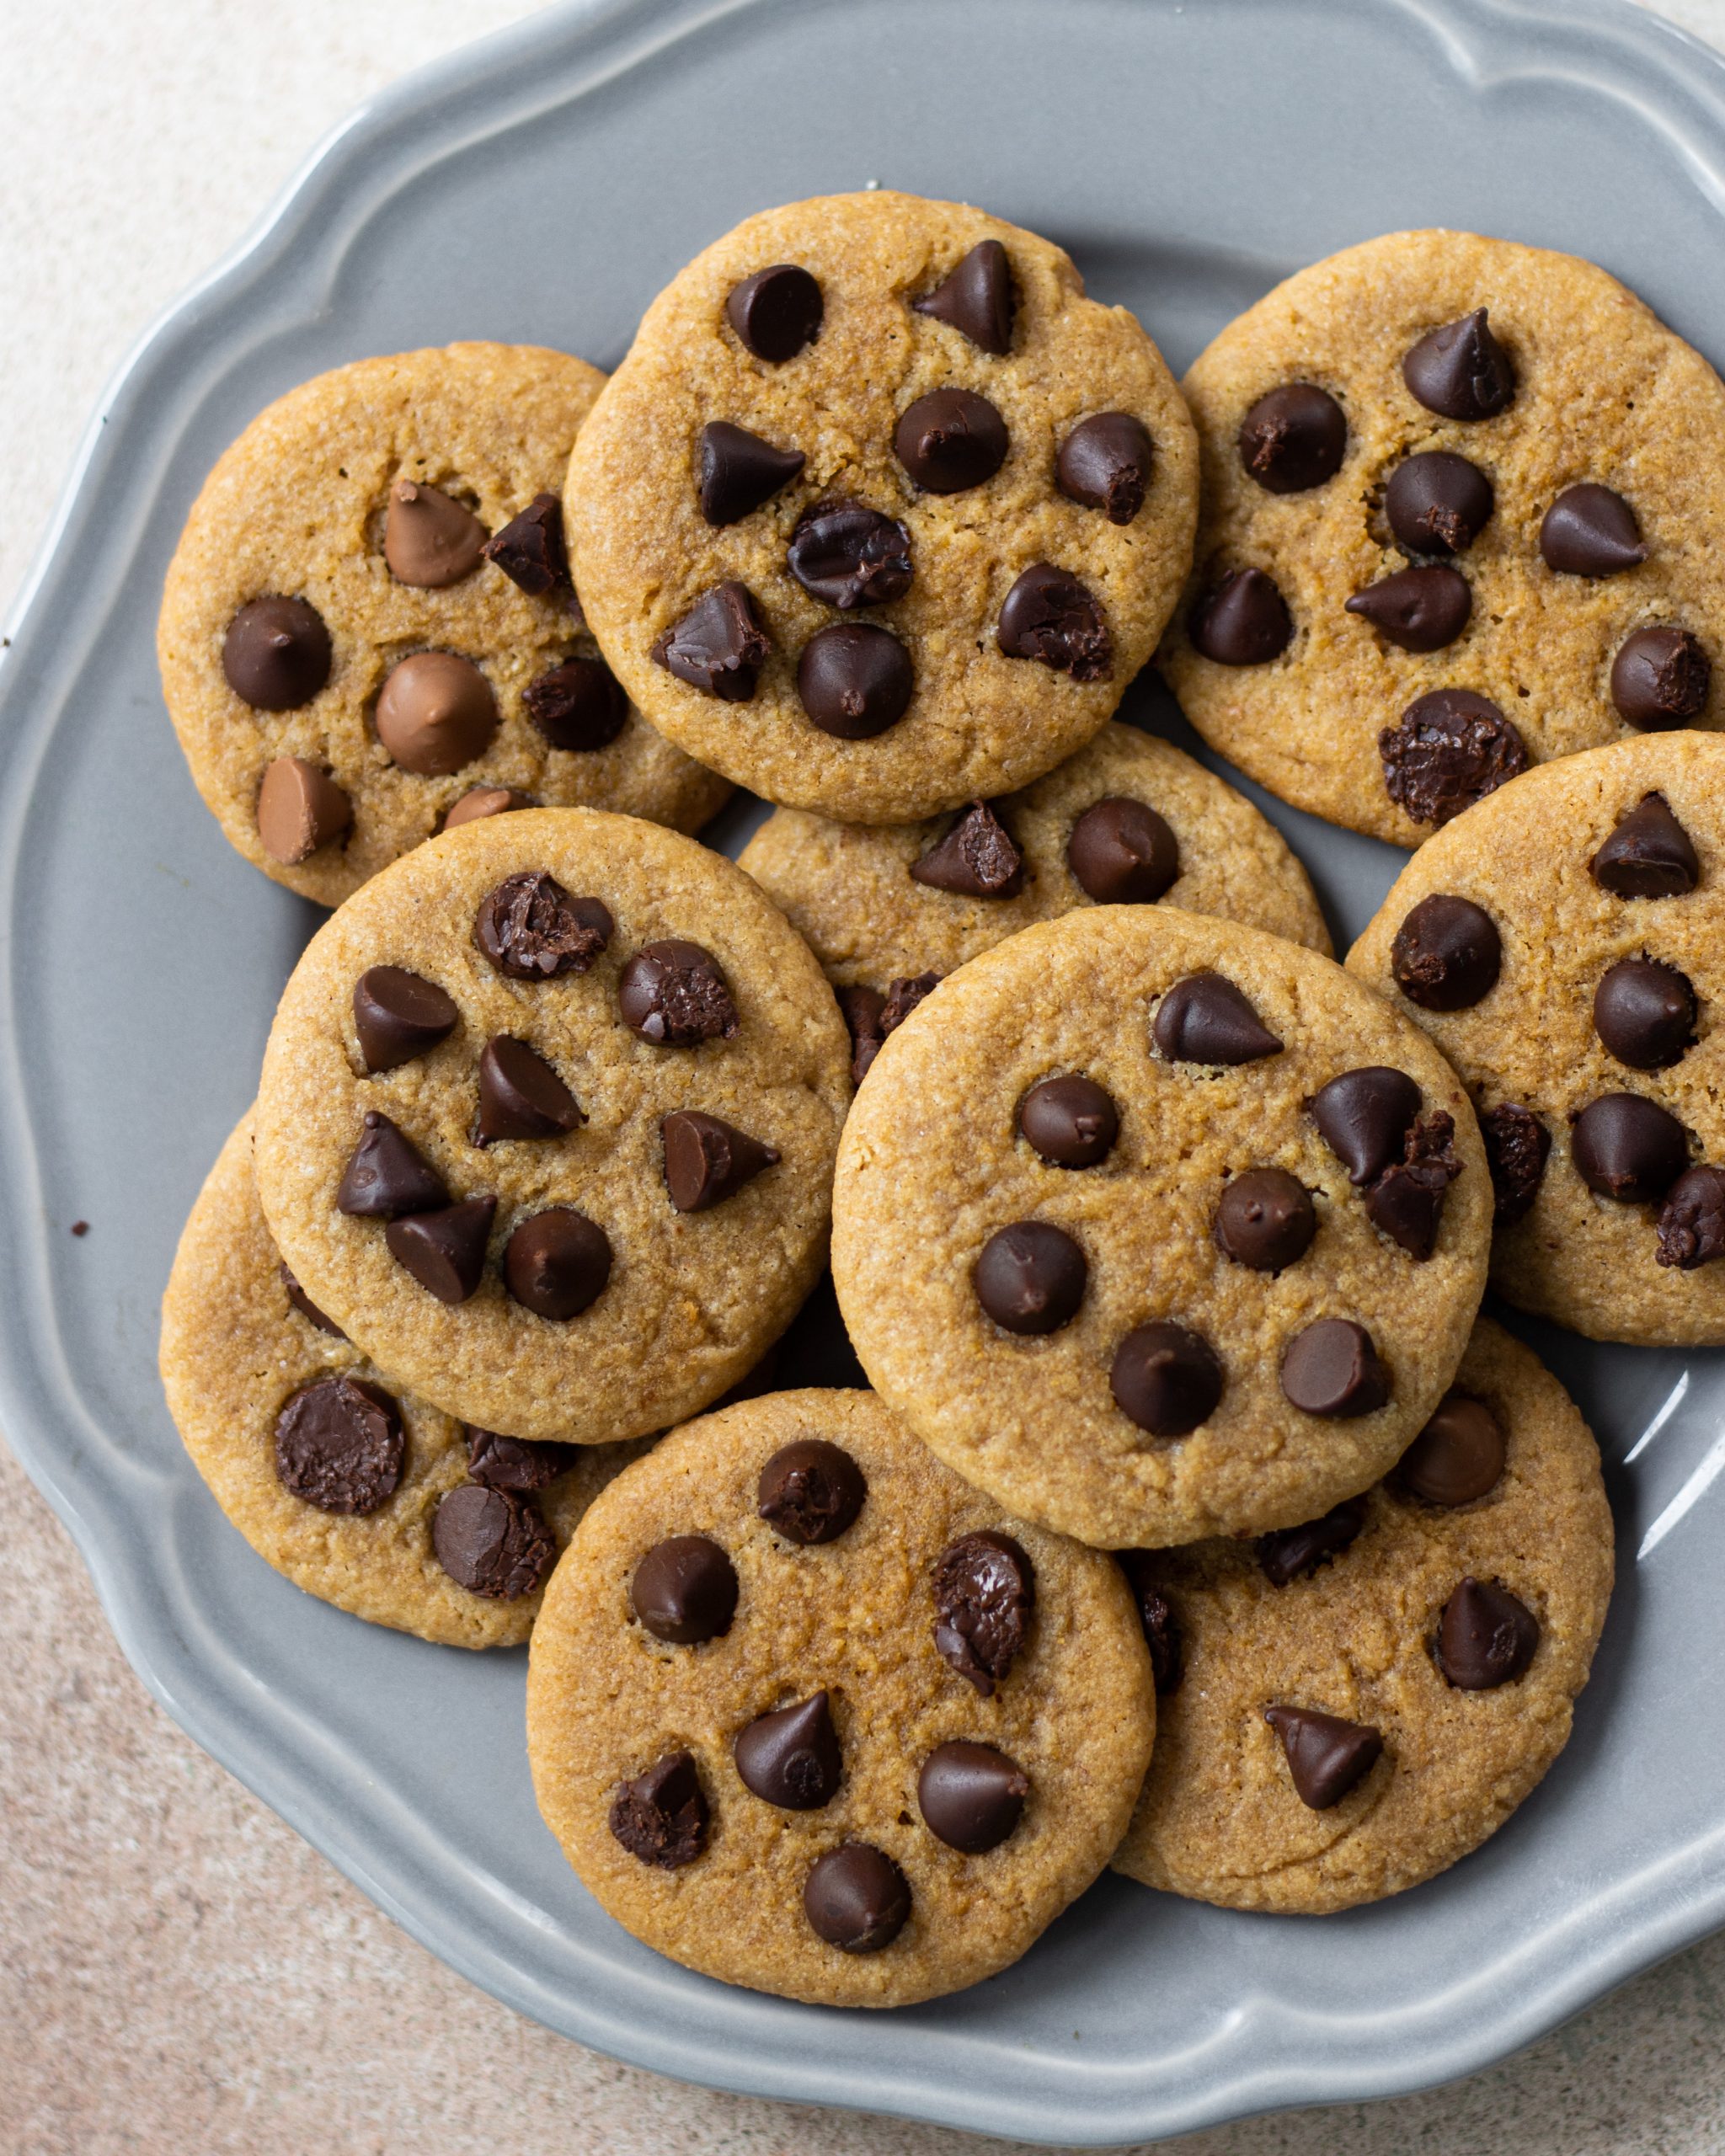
543,187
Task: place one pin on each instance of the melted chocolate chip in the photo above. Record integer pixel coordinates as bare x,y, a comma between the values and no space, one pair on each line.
1486,1636
684,1591
531,550
856,1898
1205,1019
1648,854
519,1464
971,1797
1458,1457
1516,1145
1265,1220
558,1263
1460,371
950,439
1105,464
673,993
520,1096
1243,621
1294,439
296,1295
1048,615
871,1017
1628,1148
1030,1277
1166,1379
429,540
810,1492
276,654
776,311
1588,530
1071,1122
1294,1553
1438,503
661,1816
340,1445
976,858
579,706
399,1015
386,1174
1407,1201
1661,678
492,1542
1363,1117
855,680
1157,1618
984,1594
1447,953
1333,1368
1644,1013
849,555
531,929
736,472
1122,853
1448,750
791,1758
975,298
708,1160
1416,609
1327,1757
1691,1222
445,1250
719,646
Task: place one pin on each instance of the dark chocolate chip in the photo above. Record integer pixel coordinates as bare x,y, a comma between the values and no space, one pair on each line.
985,1595
531,929
579,706
674,994
1048,615
1071,1122
1122,853
1167,1379
445,1250
1660,678
492,1542
1449,749
976,858
557,1263
1486,1636
1628,1148
1105,464
1243,621
276,654
1293,1553
1438,503
1265,1219
684,1591
520,1096
399,1015
776,311
735,470
296,1295
1516,1145
1459,1456
1327,1757
856,1898
435,713
855,680
1363,1117
1644,1013
340,1445
1692,1219
708,1160
429,540
849,555
661,1816
386,1174
871,1017
1588,530
975,298
1407,1201
1157,1615
521,1464
1460,371
1447,953
481,801
950,439
1648,854
1205,1019
1030,1277
971,1797
1416,609
720,645
1294,438
531,550
810,1492
1332,1368
791,1758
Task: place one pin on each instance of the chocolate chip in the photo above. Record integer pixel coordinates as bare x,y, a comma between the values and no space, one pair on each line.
1447,953
1156,1616
1660,678
849,555
1265,1220
1050,615
871,1017
1644,1013
445,1252
579,705
985,1595
435,713
674,994
300,808
1332,1368
1628,1148
1438,503
386,1174
1363,1117
531,550
399,1015
1460,371
791,1758
1071,1122
1243,621
340,1445
1449,749
735,470
1588,530
82,1228
971,1797
1167,1379
708,1160
522,1463
1205,1019
1030,1277
950,439
810,1492
976,858
777,312
684,1591
1416,609
1485,1636
492,1542
1458,1456
1293,439
856,1898
1105,464
976,298
531,929
904,994
276,654
1691,1222
481,801
661,1816
557,1263
1122,853
1294,1553
1516,1145
1327,1757
429,540
520,1096
720,645
1648,854
1406,1200
855,680
296,1295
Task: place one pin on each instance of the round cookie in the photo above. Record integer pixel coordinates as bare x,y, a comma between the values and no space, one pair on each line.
303,587
808,1713
1111,1236
1595,978
1129,819
1448,468
265,1396
877,460
606,1032
1445,1620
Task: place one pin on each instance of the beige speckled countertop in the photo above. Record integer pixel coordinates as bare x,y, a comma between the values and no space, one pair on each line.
179,1971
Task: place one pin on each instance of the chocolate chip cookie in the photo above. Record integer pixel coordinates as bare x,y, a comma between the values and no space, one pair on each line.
1346,1708
353,1488
1127,821
369,629
1156,1227
547,1122
1564,944
1462,515
881,513
808,1713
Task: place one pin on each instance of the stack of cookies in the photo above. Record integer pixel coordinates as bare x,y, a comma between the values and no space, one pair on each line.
1196,1521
